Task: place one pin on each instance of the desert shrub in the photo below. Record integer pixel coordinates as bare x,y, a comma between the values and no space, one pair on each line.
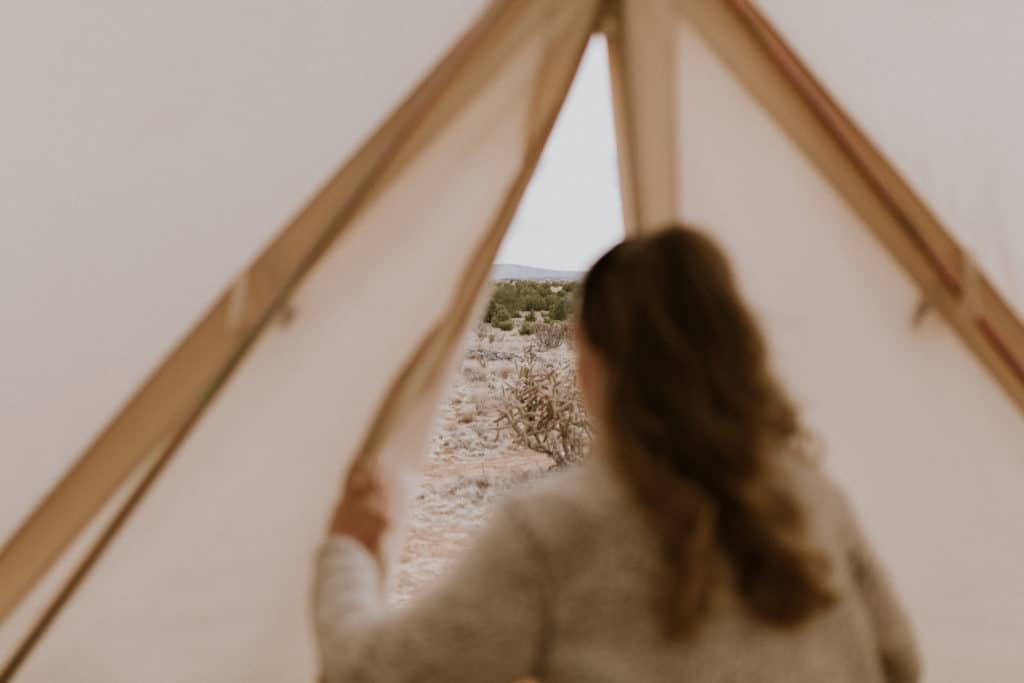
531,317
503,371
526,328
542,407
498,313
507,295
534,302
475,373
550,335
466,414
505,325
510,297
560,311
483,398
492,307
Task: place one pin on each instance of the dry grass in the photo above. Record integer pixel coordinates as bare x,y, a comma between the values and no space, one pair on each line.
550,335
475,371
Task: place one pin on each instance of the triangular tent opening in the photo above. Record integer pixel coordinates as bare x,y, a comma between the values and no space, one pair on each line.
335,340
571,211
569,215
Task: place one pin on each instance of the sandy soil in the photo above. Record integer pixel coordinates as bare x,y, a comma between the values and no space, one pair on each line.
471,465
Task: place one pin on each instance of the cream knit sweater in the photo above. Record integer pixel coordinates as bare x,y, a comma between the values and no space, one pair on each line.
559,586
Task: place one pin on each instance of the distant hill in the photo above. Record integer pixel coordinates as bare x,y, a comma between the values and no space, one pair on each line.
507,271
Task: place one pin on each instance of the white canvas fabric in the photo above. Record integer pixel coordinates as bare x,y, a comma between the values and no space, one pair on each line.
149,153
925,441
209,579
153,155
939,86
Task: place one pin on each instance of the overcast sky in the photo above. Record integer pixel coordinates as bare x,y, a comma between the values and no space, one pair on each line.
571,212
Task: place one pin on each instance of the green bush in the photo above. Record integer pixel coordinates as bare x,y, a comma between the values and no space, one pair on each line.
533,302
526,328
505,294
505,325
560,311
497,313
514,296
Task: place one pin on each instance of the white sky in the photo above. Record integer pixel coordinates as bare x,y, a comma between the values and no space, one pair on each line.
571,212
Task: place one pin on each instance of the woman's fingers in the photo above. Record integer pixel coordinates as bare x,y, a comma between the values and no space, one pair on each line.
363,481
359,481
363,511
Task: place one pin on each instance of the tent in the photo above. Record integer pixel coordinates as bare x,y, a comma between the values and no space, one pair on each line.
185,380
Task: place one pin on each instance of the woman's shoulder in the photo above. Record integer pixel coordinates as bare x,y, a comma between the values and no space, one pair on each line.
575,508
821,495
555,493
584,489
804,469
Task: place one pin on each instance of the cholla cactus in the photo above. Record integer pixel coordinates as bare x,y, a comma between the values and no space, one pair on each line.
542,408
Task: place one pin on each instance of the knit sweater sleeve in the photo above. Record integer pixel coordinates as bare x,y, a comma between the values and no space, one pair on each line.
483,622
893,632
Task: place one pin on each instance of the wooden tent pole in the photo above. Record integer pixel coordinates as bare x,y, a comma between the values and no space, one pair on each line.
92,556
641,58
771,72
183,386
426,365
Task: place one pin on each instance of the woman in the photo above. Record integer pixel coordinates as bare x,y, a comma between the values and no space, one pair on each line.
699,543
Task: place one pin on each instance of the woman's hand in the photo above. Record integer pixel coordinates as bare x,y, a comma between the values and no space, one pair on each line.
363,511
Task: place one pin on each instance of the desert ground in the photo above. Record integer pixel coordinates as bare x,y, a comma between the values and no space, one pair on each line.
473,462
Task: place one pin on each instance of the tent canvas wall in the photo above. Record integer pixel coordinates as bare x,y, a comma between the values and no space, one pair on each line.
154,166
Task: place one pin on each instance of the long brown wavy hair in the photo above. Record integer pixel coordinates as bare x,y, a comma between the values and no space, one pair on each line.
697,423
